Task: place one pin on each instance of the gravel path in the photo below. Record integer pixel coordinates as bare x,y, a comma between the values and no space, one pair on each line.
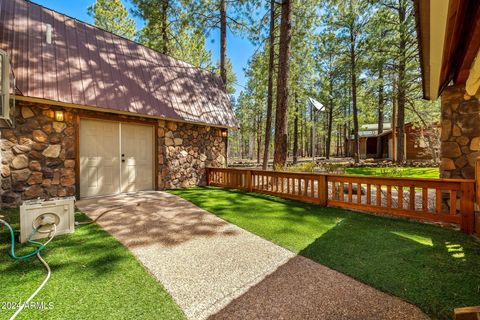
215,269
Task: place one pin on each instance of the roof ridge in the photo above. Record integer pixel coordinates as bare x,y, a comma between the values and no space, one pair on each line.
124,38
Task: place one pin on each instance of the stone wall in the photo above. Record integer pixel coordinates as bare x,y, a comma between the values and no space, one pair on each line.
184,152
460,136
38,156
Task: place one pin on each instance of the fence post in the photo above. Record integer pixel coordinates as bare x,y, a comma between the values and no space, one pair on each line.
322,190
467,210
207,172
248,182
476,207
477,181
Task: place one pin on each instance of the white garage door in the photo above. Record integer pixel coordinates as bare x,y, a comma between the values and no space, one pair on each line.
115,157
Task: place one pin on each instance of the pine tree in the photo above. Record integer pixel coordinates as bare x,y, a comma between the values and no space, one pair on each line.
281,116
112,16
169,29
271,70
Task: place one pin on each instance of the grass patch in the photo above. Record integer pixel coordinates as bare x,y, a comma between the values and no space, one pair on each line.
93,277
406,172
434,268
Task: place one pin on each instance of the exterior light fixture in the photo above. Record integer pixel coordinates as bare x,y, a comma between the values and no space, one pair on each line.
224,133
59,116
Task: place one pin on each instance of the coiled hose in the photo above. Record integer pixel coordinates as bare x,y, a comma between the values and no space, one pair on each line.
41,246
36,252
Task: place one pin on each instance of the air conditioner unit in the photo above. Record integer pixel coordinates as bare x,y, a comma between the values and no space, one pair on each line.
6,104
35,213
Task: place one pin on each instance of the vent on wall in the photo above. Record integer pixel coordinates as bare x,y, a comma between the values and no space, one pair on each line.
6,104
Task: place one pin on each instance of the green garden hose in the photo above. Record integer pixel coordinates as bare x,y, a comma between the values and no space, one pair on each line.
36,252
41,246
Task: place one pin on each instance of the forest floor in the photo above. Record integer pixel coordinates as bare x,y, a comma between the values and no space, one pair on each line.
432,267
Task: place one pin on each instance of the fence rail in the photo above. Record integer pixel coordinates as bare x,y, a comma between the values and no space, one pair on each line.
442,200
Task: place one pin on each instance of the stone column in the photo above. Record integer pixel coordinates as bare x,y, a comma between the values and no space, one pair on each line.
460,136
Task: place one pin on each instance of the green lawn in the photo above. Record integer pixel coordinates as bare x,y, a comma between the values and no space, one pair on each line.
435,268
406,172
93,277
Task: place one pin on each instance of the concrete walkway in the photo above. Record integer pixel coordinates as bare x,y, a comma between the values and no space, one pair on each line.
215,269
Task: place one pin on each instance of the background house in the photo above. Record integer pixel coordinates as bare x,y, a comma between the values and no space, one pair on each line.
417,144
97,114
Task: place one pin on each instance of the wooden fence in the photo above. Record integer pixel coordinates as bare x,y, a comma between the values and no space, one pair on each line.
442,200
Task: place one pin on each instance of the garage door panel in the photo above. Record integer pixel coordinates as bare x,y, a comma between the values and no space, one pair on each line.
92,177
102,171
99,158
137,146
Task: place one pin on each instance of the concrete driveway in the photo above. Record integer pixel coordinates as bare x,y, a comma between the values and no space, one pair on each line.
215,269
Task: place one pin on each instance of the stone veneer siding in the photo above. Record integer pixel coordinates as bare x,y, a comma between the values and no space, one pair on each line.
184,150
460,136
38,156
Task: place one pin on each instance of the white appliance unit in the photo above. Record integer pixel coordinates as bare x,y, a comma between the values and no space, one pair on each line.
7,85
42,213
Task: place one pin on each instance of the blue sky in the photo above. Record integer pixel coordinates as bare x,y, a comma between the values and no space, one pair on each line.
239,50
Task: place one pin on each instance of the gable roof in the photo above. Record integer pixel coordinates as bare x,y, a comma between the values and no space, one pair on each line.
87,66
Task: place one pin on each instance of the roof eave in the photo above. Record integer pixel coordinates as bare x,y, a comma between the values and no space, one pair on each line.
114,111
432,20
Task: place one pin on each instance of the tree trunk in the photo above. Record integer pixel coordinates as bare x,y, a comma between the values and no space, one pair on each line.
353,70
295,135
223,42
242,145
401,84
380,111
394,128
281,115
330,116
312,147
164,26
271,66
329,130
251,146
259,139
302,135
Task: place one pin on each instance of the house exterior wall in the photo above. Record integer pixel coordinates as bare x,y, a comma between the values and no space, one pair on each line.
415,149
460,134
39,157
184,150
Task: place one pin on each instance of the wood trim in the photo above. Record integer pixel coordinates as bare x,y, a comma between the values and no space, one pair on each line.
114,118
114,112
77,156
467,208
470,44
395,212
422,17
155,154
456,13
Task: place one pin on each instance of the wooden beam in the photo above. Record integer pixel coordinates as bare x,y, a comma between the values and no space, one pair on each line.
456,14
467,313
469,44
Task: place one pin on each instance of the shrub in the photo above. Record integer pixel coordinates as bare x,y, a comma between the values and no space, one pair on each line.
302,167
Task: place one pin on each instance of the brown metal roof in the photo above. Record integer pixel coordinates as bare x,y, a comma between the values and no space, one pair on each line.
87,66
